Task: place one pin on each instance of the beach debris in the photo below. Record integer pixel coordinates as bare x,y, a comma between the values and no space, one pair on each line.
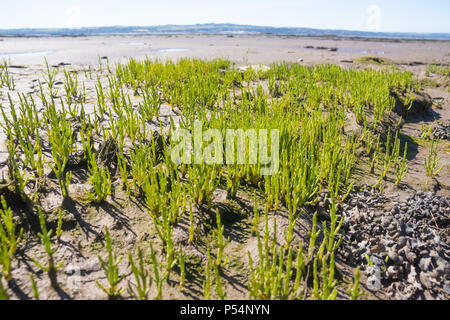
255,67
441,131
408,242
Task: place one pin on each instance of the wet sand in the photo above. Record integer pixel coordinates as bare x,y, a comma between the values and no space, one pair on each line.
242,49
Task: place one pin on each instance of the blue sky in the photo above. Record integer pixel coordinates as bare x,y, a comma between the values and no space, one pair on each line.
371,15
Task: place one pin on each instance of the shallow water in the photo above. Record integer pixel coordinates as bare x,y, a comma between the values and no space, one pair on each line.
173,50
136,43
353,50
25,54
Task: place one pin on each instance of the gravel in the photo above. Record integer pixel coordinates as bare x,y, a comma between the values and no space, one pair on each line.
441,131
407,242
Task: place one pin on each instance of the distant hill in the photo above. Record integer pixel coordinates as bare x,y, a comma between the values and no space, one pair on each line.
213,28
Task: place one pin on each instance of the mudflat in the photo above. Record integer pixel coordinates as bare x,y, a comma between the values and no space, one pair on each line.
242,49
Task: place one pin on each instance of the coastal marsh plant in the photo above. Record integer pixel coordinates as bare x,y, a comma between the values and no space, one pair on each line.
219,288
34,287
182,268
203,180
207,283
3,294
355,291
100,179
437,69
73,93
101,98
61,140
16,175
59,227
50,79
191,224
308,105
170,253
10,238
111,269
431,162
221,241
156,273
401,168
6,78
141,289
51,267
256,216
279,271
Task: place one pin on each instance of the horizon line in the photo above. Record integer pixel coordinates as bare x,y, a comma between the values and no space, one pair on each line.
225,23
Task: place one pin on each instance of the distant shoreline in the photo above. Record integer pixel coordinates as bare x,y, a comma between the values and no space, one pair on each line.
289,36
221,29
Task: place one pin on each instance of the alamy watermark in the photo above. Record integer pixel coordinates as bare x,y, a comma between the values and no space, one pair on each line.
239,146
73,17
373,21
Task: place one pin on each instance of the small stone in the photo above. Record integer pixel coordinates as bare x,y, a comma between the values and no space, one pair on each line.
394,257
412,275
392,272
411,256
386,220
442,267
447,287
424,264
373,283
395,210
425,280
377,261
391,228
401,242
